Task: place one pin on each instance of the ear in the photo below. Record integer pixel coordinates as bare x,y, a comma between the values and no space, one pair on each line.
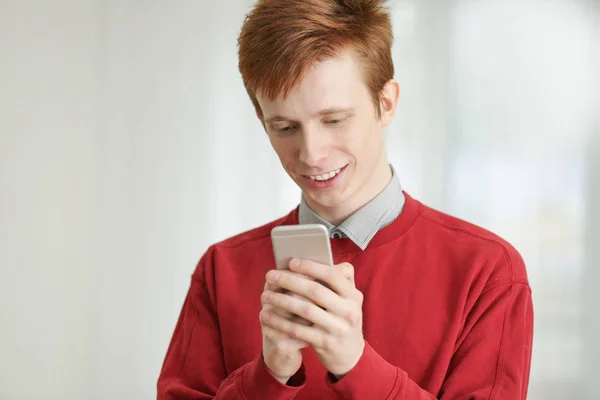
259,114
260,117
388,100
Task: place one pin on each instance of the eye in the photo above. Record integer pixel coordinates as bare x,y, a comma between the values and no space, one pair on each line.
286,129
334,122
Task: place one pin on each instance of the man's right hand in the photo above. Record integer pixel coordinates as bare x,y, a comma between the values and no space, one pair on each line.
282,354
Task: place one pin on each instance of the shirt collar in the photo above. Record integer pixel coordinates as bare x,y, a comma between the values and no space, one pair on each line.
362,225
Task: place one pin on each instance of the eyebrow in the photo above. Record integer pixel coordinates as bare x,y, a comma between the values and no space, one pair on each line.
322,113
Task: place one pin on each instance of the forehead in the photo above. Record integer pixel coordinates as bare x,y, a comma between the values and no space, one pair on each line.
333,83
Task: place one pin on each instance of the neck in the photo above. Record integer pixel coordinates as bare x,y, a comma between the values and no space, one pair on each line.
367,192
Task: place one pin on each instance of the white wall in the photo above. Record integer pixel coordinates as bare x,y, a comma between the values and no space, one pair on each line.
591,294
48,167
128,145
174,175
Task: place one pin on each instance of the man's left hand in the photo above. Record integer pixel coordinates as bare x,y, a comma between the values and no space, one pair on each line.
335,312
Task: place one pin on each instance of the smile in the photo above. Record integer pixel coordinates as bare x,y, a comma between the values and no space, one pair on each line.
326,176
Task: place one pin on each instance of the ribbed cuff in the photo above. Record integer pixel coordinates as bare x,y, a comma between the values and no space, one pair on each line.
258,383
371,378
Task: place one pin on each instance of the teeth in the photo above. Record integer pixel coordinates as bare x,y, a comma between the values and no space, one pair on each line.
326,176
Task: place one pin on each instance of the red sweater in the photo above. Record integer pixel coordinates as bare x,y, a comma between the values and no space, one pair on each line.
447,314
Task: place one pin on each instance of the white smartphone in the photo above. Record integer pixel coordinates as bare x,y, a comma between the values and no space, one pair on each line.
308,242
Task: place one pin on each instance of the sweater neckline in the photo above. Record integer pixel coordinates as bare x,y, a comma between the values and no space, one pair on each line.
405,220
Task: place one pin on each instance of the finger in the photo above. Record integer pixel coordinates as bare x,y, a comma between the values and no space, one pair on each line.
273,288
347,270
287,315
312,290
283,341
271,285
312,335
294,317
308,311
331,276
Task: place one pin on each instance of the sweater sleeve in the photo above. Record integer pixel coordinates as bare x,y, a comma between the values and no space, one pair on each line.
194,366
491,358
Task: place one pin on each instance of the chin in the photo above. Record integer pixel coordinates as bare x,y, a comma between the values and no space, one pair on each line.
329,200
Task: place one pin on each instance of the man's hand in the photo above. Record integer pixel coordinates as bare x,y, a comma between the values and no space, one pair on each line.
336,313
281,353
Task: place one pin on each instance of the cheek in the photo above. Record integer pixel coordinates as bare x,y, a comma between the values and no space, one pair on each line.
356,140
372,135
285,149
361,144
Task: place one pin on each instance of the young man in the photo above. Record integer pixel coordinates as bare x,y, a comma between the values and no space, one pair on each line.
420,305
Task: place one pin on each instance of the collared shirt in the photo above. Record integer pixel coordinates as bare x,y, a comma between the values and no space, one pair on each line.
363,224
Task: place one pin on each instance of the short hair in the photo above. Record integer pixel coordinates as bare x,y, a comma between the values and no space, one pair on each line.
281,39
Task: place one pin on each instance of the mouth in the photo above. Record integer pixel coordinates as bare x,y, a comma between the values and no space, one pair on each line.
326,179
326,176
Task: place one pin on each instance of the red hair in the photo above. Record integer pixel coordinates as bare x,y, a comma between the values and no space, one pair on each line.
281,39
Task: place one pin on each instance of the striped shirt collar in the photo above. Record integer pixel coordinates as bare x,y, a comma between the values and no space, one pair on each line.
362,226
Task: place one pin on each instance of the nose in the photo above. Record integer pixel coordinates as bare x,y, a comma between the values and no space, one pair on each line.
314,146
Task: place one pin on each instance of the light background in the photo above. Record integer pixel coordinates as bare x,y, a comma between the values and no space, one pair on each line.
128,145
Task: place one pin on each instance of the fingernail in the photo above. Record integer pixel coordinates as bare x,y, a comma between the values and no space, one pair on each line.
264,315
294,262
273,276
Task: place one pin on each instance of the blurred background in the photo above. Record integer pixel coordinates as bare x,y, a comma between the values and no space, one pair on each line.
128,145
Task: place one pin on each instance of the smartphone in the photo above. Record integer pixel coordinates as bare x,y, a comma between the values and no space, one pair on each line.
308,242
